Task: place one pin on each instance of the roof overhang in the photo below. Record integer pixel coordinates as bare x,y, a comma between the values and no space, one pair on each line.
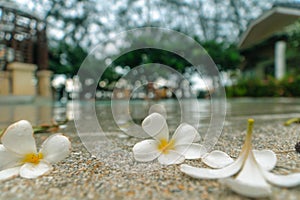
267,24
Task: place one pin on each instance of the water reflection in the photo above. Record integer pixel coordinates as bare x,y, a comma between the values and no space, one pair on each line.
34,114
196,113
263,110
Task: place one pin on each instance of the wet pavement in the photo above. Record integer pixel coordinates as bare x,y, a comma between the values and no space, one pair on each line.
237,110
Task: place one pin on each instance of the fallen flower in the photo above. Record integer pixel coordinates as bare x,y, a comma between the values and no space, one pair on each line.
174,151
19,156
251,176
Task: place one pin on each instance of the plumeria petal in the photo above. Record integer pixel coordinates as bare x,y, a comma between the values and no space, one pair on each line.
31,170
250,181
289,180
171,158
217,159
243,188
197,138
145,146
18,138
8,159
190,151
55,148
265,158
9,173
185,134
204,173
146,150
156,126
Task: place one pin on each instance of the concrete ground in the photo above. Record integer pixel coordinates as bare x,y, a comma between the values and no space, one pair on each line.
111,175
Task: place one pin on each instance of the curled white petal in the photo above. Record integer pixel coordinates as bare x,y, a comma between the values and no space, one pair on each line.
217,159
156,126
251,173
171,158
204,173
56,148
190,151
185,134
197,138
19,139
265,158
243,188
146,150
31,170
250,181
10,173
289,180
8,159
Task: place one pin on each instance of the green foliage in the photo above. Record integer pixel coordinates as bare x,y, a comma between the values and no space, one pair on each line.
293,48
254,87
66,59
226,56
291,85
149,55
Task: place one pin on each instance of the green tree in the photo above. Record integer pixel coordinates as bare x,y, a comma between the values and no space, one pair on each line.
145,56
66,58
293,41
226,56
86,23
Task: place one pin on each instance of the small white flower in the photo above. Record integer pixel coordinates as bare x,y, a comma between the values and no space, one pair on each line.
167,151
250,170
19,156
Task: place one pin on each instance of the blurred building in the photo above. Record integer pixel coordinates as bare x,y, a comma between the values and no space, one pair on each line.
23,53
264,43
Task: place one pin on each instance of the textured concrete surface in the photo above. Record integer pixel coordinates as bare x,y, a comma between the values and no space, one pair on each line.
115,175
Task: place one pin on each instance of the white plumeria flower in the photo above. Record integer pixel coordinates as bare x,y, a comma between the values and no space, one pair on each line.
167,151
250,171
19,156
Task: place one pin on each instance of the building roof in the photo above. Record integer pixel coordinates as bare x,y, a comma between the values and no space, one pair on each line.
287,5
274,20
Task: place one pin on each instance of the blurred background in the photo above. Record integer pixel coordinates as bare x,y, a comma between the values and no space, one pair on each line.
255,45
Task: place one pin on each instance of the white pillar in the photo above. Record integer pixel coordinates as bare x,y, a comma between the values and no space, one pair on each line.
280,47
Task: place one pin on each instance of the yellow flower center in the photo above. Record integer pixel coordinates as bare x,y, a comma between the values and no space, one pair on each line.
33,158
164,146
